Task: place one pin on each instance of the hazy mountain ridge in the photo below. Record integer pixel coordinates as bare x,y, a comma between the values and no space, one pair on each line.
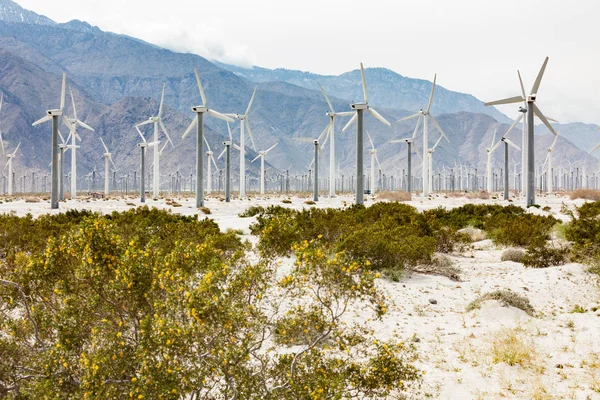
117,82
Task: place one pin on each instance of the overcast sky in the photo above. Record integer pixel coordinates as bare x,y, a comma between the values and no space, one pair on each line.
475,46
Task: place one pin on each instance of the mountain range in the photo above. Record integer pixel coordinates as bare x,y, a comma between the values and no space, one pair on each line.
117,80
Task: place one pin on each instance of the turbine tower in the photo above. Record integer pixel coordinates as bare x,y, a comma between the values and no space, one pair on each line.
358,117
244,123
107,157
1,139
10,172
73,146
374,159
210,156
330,135
261,155
199,123
548,161
157,122
54,115
430,152
423,116
532,110
489,162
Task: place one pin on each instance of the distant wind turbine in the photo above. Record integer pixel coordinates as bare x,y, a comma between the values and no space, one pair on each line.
73,146
261,155
107,158
10,173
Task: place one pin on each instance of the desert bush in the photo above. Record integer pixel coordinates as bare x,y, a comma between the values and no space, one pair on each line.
515,255
394,196
205,210
587,194
310,202
521,230
286,201
113,307
507,298
544,254
474,234
584,231
251,211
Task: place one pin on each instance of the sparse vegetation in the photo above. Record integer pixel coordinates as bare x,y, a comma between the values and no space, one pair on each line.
507,298
394,196
513,254
513,347
587,194
544,254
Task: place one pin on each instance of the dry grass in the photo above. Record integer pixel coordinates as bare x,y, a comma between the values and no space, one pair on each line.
514,254
442,265
394,196
587,194
506,298
475,234
483,195
513,347
205,210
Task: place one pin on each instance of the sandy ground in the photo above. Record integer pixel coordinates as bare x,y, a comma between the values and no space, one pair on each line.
455,346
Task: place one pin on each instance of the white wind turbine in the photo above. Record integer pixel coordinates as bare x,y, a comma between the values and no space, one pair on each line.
503,140
548,161
1,139
157,122
10,173
430,152
74,122
199,123
358,117
107,157
489,161
244,123
374,159
261,155
528,145
53,115
330,135
210,156
423,116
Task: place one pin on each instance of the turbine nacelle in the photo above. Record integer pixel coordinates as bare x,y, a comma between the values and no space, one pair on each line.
199,109
359,106
522,110
531,98
55,113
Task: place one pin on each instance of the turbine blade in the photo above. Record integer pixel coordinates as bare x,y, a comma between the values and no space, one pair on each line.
251,101
439,128
207,145
63,91
1,100
257,157
494,136
350,122
325,132
371,140
595,148
554,142
189,129
364,83
61,137
432,93
416,128
510,100
112,162
410,117
85,126
379,116
229,130
494,147
541,116
510,143
377,159
17,149
344,114
103,144
271,148
42,120
216,114
67,122
304,140
200,88
326,98
162,99
145,123
514,124
73,103
140,132
222,153
164,129
538,80
2,143
522,87
250,133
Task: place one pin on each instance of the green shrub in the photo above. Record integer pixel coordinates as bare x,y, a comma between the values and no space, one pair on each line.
584,231
515,255
251,212
543,254
507,298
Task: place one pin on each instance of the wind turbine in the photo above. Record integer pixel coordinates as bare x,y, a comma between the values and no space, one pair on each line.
107,157
1,139
53,115
244,123
74,122
358,117
261,155
199,123
423,116
549,162
210,156
489,161
157,122
227,151
532,110
430,152
507,143
330,135
10,173
374,159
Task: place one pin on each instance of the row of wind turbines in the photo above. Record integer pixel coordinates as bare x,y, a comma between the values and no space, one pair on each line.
423,117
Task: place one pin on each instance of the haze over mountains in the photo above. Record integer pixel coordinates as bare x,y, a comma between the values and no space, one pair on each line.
117,82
